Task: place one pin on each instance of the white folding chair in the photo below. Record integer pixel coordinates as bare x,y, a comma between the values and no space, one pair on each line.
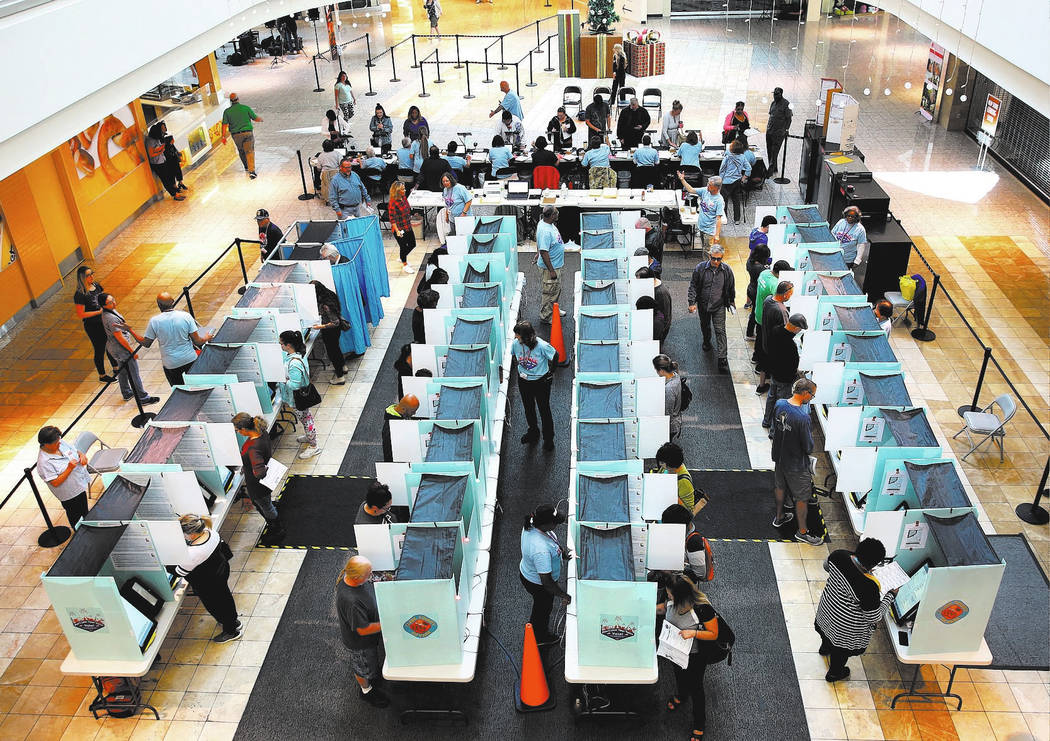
901,307
105,459
989,425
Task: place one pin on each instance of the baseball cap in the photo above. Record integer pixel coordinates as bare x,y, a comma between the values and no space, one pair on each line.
799,321
261,214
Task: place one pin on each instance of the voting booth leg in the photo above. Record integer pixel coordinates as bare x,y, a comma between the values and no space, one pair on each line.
924,333
55,534
929,696
531,692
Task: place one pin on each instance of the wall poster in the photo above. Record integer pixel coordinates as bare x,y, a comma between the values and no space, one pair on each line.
104,153
934,67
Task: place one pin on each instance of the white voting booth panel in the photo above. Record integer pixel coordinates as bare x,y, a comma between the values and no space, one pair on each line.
886,528
843,427
284,321
815,347
661,491
855,468
666,546
304,297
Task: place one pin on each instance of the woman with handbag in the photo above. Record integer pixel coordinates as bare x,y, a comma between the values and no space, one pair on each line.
297,392
207,569
689,610
736,123
173,156
332,325
255,460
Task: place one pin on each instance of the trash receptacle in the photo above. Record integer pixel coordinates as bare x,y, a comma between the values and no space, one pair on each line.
417,225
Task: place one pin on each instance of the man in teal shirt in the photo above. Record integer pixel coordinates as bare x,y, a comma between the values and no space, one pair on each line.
237,121
551,260
645,155
510,103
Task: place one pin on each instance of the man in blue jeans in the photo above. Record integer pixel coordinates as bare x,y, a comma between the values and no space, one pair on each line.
346,192
712,292
782,363
792,444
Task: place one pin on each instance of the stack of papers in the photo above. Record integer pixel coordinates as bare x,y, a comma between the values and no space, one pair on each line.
890,576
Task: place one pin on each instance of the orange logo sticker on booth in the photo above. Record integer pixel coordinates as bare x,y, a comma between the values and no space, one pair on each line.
952,612
420,626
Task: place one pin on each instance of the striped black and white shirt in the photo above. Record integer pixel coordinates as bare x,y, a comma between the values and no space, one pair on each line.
850,607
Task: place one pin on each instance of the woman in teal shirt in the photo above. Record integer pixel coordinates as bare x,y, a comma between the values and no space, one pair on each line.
298,371
344,95
597,154
690,150
457,203
499,157
540,568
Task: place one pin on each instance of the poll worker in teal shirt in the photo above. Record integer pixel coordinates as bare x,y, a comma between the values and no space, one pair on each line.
551,261
540,568
645,155
535,359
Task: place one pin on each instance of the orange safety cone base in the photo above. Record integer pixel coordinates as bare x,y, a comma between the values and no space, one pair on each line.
557,338
523,708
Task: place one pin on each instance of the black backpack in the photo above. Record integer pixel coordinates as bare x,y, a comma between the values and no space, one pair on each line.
687,395
721,649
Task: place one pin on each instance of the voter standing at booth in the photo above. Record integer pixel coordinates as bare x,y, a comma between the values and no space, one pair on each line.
851,234
255,457
355,604
206,568
535,358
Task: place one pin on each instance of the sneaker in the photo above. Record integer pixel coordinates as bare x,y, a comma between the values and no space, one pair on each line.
106,378
337,381
182,186
252,175
149,400
128,398
407,269
226,637
303,439
723,366
763,389
789,505
273,535
178,197
375,698
309,453
783,520
562,312
829,677
809,538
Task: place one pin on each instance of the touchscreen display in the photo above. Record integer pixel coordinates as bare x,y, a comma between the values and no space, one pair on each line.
141,625
913,590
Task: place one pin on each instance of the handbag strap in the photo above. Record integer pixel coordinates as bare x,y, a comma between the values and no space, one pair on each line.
306,368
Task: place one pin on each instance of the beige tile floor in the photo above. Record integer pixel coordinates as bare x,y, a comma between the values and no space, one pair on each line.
201,688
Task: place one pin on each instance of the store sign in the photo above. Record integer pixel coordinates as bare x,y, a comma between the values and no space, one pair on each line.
934,68
991,115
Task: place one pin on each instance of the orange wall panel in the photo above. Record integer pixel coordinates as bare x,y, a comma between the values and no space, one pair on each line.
27,231
51,200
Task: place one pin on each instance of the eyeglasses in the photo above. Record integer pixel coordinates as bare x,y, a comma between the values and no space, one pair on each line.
716,259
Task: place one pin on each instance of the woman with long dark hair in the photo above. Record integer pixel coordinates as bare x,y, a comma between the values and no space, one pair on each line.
206,569
335,128
414,124
331,329
756,263
158,162
689,610
403,367
382,129
535,361
89,310
540,568
297,369
668,370
345,99
173,155
255,457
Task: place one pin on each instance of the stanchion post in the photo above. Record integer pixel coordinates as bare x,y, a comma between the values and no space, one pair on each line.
368,46
306,195
55,534
924,333
531,82
782,178
393,66
244,270
549,67
537,36
468,96
517,81
502,64
139,420
459,64
972,407
317,79
415,60
368,71
437,61
189,303
487,79
1032,513
422,82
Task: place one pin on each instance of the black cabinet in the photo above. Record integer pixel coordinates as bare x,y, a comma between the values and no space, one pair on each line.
889,250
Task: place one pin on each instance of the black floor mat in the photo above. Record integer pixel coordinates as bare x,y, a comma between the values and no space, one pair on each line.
1020,609
320,510
742,506
712,435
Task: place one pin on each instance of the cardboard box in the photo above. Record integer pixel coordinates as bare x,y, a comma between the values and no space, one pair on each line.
645,60
596,54
569,43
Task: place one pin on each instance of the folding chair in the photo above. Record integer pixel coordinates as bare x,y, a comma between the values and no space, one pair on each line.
653,100
623,98
374,187
989,425
572,97
901,307
644,176
105,459
604,91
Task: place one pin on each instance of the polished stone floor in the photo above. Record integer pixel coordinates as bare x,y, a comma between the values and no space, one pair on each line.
982,232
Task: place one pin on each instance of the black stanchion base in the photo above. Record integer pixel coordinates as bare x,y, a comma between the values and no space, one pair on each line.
781,181
424,95
548,69
370,63
140,420
470,97
395,79
242,289
1033,514
414,66
438,82
502,66
369,95
306,196
967,408
530,84
487,81
318,89
923,335
57,535
457,66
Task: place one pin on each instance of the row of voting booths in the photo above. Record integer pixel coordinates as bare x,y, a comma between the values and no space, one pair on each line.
898,483
112,589
617,421
446,461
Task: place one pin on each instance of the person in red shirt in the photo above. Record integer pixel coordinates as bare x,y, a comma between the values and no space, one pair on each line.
401,224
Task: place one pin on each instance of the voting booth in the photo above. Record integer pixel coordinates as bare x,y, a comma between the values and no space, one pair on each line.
297,299
216,404
257,363
827,313
603,395
616,356
611,264
458,361
476,270
465,327
853,384
819,346
614,324
207,449
821,283
108,588
453,399
596,489
954,579
296,271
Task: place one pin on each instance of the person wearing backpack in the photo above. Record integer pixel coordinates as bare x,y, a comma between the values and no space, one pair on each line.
698,562
671,459
689,610
675,391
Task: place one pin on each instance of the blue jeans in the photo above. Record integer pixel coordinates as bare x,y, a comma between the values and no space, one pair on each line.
132,368
777,391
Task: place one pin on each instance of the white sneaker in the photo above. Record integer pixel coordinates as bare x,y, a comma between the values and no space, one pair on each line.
309,453
407,269
302,439
338,380
562,312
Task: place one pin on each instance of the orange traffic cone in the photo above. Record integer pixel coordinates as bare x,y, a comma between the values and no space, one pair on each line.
531,693
557,339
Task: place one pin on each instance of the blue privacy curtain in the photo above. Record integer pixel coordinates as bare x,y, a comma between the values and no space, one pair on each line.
362,282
